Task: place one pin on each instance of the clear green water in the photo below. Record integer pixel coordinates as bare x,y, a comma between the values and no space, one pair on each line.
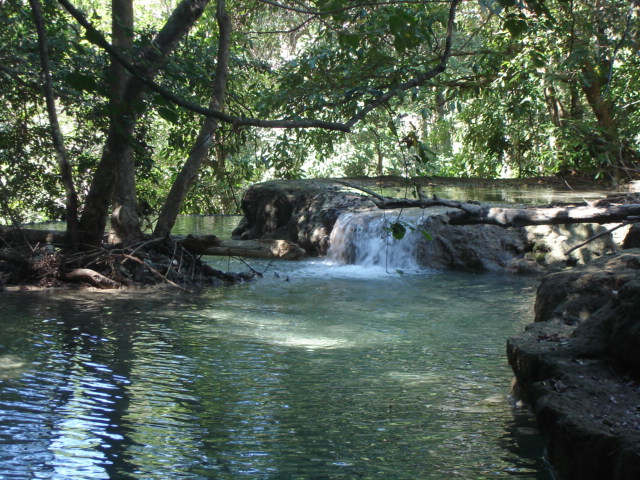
313,372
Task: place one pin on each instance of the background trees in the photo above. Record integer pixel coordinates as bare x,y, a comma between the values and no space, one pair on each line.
530,88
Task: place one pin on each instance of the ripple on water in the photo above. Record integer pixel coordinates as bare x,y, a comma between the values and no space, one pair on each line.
390,377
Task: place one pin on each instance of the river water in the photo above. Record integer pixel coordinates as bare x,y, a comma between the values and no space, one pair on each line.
315,371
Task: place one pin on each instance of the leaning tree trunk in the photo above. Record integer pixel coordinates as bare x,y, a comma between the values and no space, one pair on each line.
71,197
189,173
116,153
593,87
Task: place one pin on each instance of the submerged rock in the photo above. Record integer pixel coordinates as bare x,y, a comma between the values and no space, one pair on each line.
578,366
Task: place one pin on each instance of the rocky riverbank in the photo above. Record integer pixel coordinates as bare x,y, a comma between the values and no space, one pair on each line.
304,212
578,366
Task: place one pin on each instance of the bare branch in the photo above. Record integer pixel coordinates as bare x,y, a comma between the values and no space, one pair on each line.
418,80
309,11
598,235
472,213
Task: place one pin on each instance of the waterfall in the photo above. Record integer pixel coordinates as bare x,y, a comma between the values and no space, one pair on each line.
365,239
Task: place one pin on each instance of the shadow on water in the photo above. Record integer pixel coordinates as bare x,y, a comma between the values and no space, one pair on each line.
315,372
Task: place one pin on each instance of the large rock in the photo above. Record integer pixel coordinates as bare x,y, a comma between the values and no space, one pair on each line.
578,366
305,211
300,211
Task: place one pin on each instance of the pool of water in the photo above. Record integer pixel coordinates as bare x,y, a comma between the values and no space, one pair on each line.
315,371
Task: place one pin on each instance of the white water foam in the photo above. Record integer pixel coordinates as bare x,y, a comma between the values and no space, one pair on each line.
364,239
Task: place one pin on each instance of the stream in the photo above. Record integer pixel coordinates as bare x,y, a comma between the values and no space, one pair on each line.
318,370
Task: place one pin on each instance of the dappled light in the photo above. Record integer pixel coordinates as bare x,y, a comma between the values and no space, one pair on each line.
294,374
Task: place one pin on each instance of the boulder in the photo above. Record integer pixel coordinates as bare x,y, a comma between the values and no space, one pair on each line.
300,211
578,366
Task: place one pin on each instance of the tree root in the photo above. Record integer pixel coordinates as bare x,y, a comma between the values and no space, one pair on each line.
92,277
148,262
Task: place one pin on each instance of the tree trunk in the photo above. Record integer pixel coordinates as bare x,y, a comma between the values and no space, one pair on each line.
189,173
116,153
71,197
555,108
125,223
593,86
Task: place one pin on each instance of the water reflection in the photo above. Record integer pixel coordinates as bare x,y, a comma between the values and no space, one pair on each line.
319,376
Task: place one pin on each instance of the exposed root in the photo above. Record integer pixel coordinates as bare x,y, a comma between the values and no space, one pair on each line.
149,262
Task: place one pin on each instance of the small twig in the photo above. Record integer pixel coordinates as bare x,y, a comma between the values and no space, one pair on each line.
601,234
362,189
173,257
145,243
421,194
155,272
253,270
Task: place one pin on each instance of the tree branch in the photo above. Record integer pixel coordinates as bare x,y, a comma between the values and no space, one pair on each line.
470,213
418,80
66,176
96,37
310,11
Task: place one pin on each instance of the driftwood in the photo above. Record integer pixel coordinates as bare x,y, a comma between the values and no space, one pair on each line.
195,244
91,277
154,271
519,217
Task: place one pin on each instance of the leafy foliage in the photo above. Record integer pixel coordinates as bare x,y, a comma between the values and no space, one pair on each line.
518,98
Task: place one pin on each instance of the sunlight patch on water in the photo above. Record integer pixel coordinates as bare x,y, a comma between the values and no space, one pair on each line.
412,379
301,374
11,366
285,330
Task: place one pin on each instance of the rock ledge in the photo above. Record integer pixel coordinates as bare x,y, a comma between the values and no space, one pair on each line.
578,366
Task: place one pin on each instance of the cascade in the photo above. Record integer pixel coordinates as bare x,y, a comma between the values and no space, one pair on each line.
365,239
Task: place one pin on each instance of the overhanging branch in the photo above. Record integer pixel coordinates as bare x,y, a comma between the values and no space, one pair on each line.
418,80
97,38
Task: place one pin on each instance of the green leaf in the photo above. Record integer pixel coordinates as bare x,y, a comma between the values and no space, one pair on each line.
398,230
82,82
397,24
516,26
169,114
426,235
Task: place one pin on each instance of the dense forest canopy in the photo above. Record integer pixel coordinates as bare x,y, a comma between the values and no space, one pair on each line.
110,108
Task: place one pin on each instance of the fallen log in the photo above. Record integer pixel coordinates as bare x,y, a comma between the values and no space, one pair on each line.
269,249
196,244
619,209
520,217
